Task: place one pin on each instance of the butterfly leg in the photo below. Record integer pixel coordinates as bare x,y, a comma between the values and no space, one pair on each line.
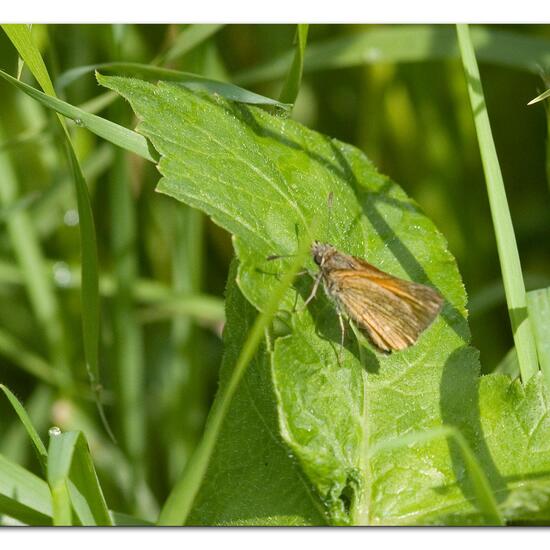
314,289
342,337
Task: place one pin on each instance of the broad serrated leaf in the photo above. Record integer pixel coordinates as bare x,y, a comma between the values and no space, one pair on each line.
265,179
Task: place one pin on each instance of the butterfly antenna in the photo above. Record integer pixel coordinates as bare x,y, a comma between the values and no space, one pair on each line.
329,213
279,256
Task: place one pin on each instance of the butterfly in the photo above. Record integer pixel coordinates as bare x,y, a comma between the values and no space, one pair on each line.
391,311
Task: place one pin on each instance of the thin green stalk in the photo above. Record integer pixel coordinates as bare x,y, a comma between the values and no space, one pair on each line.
180,501
502,221
539,310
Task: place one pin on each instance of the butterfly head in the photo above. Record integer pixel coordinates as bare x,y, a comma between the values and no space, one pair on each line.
320,251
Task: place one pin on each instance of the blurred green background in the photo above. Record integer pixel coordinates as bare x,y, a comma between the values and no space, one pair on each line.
164,265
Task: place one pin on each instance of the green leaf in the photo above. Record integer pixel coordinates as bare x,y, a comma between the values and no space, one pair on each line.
26,421
265,179
73,481
24,496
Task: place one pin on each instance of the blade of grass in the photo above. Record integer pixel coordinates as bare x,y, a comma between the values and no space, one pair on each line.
116,134
189,80
538,302
14,443
33,503
73,481
110,460
58,463
178,505
506,241
26,421
484,495
24,496
293,80
21,38
44,131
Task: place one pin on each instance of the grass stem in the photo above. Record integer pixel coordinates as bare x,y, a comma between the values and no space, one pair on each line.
510,265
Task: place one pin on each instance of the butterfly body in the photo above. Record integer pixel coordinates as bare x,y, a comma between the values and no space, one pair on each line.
392,312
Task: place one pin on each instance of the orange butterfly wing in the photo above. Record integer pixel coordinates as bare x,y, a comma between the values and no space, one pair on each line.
393,312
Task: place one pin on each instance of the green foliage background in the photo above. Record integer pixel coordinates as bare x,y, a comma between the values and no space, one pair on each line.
161,345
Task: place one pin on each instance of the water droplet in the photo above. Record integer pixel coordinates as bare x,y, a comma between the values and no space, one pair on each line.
71,217
54,431
78,122
62,274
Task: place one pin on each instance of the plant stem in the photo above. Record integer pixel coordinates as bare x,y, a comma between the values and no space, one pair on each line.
180,501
